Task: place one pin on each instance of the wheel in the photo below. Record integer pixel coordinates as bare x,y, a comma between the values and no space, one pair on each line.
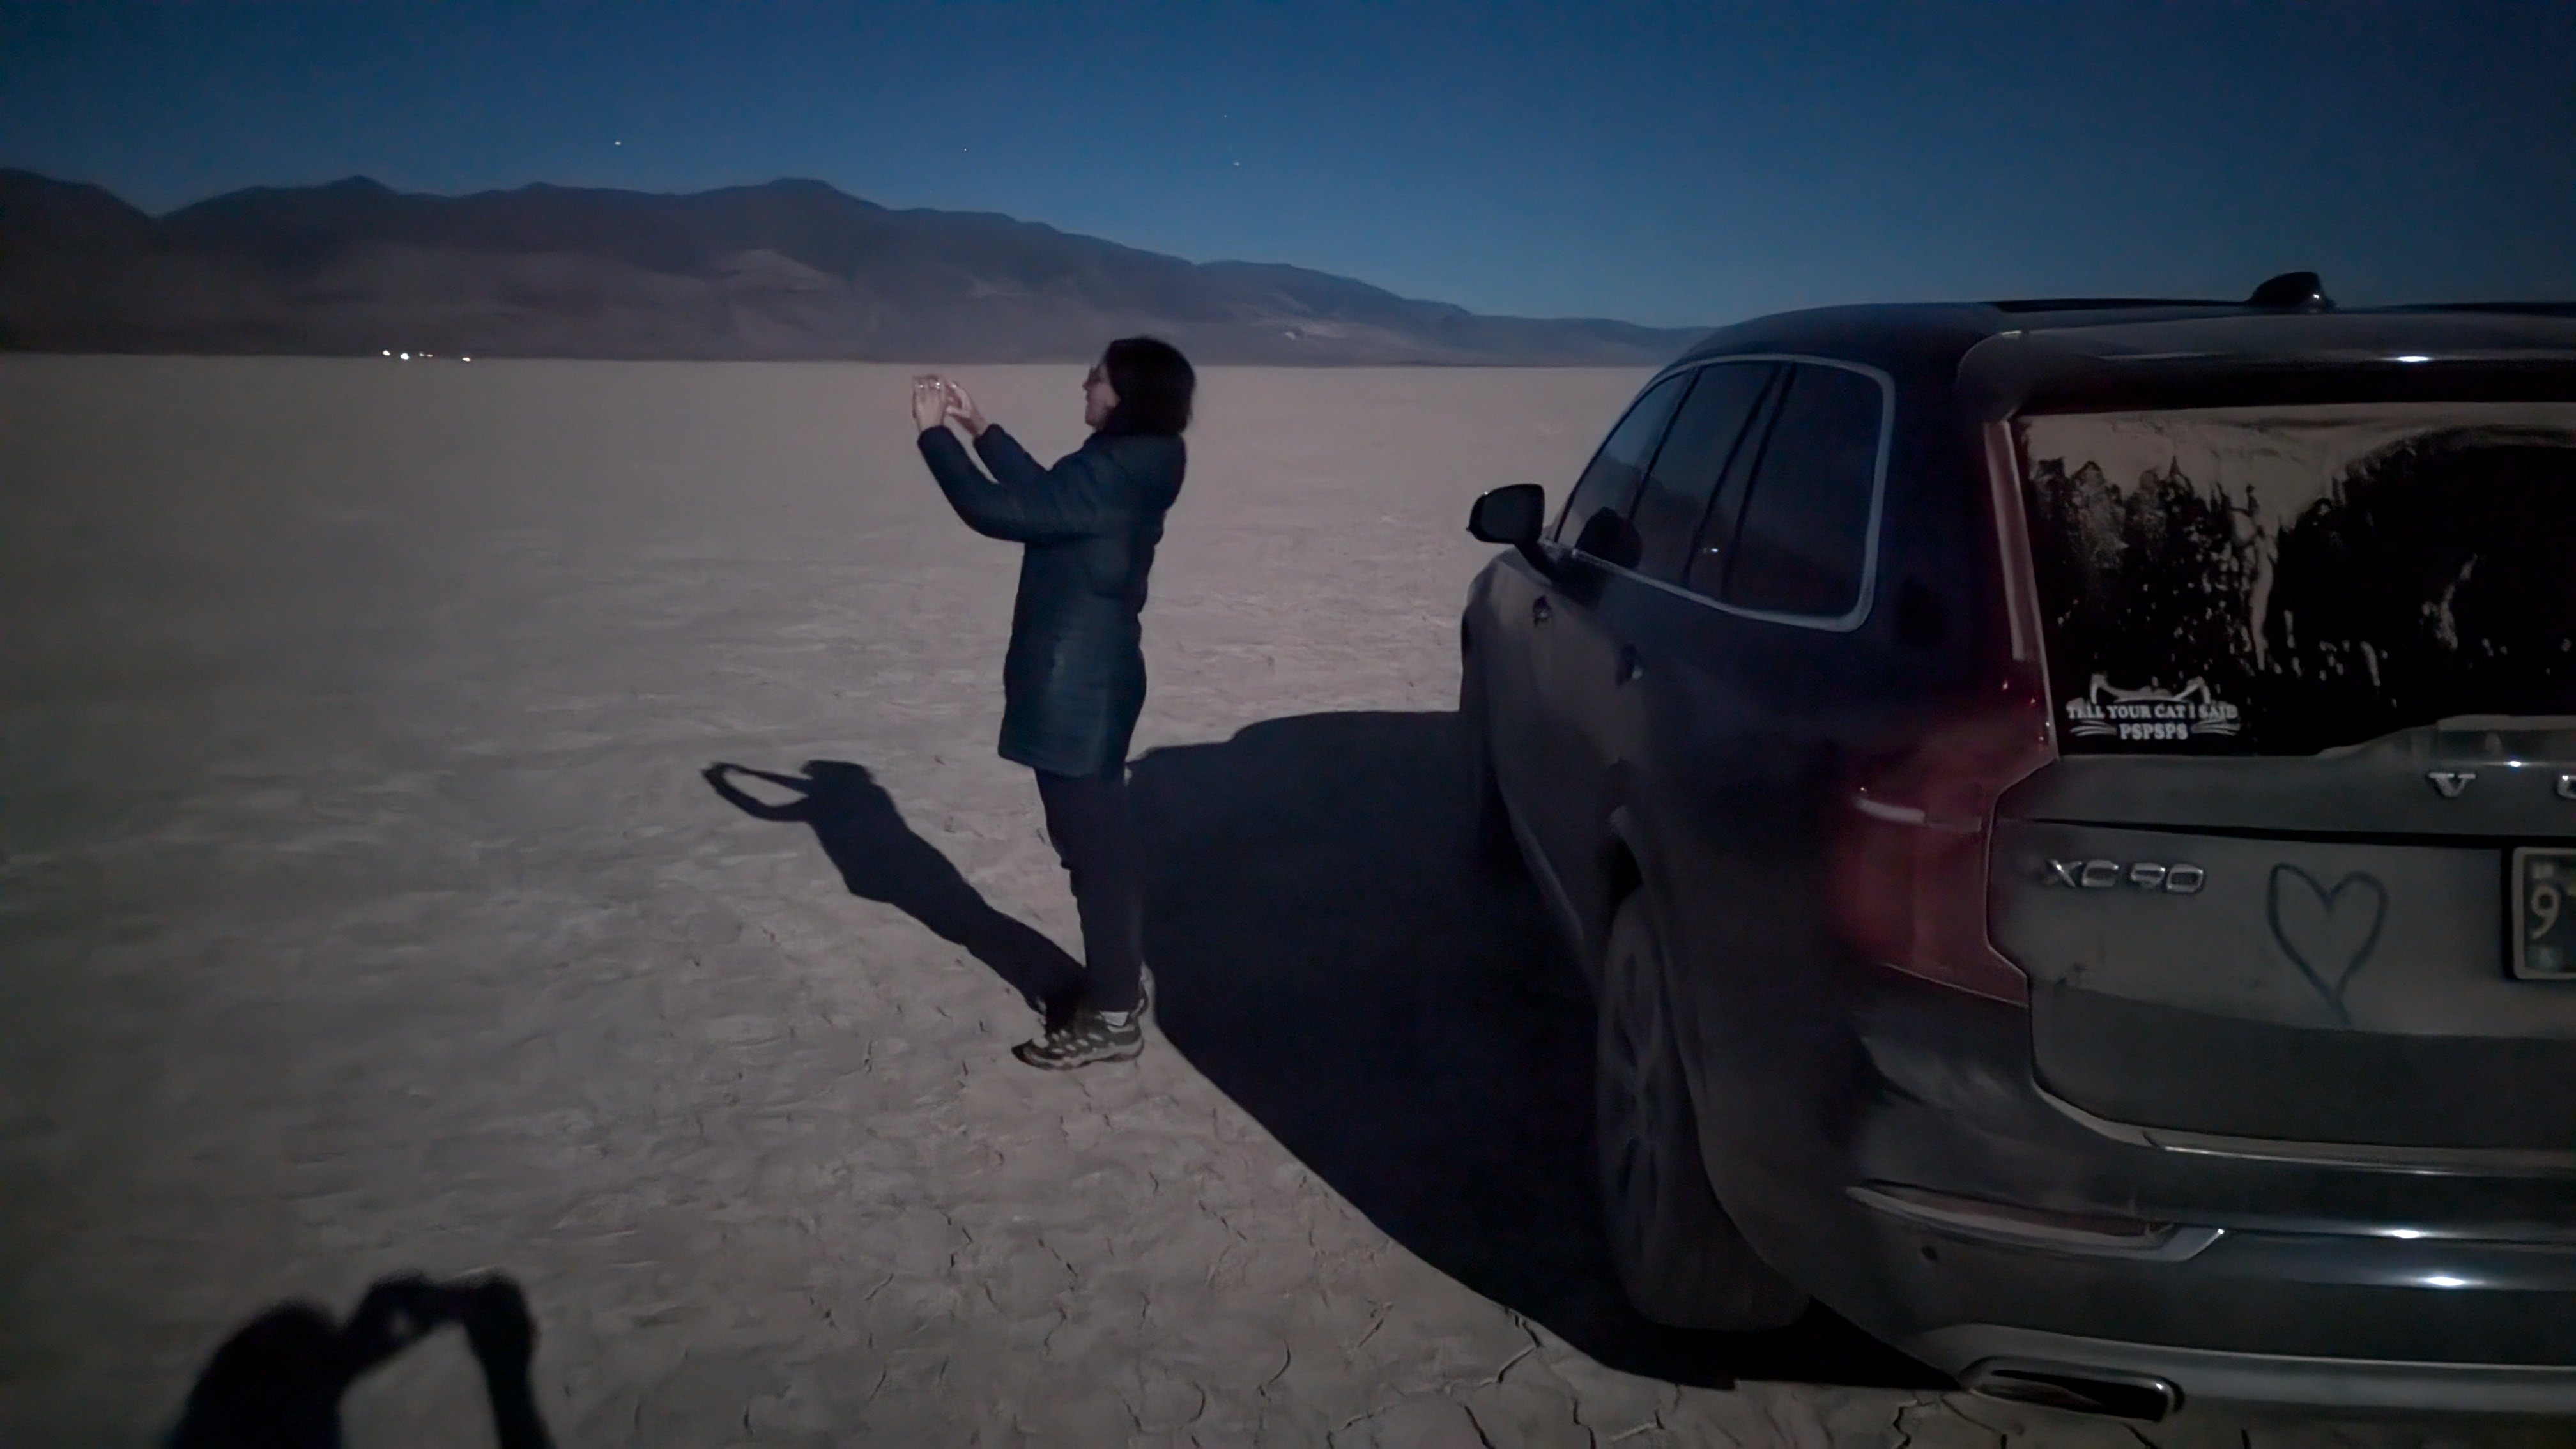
1495,849
1679,1257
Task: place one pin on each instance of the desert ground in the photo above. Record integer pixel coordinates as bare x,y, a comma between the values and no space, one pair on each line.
363,908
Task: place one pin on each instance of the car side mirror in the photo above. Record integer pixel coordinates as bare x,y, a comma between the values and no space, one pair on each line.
1514,516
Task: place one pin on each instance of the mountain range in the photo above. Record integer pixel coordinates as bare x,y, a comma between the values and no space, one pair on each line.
791,269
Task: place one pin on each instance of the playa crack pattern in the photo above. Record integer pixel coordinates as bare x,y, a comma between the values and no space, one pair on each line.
367,908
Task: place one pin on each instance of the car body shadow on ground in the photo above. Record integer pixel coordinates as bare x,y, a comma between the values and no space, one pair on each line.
1330,955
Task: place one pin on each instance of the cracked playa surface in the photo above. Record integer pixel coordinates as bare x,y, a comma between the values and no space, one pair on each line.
363,909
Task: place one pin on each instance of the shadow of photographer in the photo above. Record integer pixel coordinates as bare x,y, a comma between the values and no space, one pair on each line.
277,1382
1330,954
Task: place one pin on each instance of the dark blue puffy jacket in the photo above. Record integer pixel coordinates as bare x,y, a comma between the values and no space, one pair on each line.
1074,680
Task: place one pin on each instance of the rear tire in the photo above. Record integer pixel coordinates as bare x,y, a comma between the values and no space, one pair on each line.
1679,1257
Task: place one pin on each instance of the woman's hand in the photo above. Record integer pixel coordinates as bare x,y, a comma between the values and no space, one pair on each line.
963,411
930,401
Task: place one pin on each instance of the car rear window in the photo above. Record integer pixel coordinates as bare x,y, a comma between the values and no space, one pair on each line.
2287,580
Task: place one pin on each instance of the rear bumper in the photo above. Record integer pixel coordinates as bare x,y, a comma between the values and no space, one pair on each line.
2352,1317
1961,1350
1924,1186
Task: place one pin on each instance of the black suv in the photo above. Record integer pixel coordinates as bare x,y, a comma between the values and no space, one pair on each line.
2068,809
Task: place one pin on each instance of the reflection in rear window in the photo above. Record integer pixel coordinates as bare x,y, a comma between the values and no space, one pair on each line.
2288,580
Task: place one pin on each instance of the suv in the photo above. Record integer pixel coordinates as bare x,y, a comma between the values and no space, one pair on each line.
2068,809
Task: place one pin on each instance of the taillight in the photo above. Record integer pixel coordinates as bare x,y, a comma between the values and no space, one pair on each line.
1911,836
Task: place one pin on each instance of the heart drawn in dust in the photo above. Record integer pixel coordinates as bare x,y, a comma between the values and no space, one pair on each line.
2327,934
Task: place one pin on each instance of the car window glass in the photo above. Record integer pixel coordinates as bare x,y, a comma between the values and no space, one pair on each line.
1686,468
2283,580
1806,522
1611,481
1715,547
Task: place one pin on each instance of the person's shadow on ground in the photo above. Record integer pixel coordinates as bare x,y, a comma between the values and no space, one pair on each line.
1328,951
881,859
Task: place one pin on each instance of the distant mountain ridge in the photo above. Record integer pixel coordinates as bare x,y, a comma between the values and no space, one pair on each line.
791,269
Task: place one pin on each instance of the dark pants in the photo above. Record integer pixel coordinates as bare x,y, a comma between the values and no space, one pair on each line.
1087,819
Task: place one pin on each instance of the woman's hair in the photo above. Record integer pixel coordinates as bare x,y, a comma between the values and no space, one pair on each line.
1154,384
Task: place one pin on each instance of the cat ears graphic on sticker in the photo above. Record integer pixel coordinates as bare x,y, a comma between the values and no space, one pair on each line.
2101,691
277,1382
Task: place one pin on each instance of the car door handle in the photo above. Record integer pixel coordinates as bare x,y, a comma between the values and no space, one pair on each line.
1540,610
1631,664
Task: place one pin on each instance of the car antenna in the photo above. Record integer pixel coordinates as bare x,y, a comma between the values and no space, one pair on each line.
2293,292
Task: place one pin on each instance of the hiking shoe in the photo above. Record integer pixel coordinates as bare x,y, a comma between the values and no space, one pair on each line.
1058,1008
1089,1037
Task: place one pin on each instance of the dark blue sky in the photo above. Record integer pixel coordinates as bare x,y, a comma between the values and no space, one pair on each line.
1660,163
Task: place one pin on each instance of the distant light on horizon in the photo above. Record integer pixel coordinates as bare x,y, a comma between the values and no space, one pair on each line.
2413,357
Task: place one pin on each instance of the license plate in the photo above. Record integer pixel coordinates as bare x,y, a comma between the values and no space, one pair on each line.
2544,933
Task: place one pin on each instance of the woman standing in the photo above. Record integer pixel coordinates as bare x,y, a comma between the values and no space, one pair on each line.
1073,681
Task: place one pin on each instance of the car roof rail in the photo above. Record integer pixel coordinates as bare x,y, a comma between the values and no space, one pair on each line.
2521,309
2101,304
2290,292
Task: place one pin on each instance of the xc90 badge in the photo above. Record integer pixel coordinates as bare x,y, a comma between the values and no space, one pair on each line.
2181,877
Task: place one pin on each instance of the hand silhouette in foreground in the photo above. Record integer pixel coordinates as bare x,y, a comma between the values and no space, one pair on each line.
278,1381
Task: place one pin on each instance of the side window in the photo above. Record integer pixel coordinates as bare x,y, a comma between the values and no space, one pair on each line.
1611,481
1806,522
1706,572
1693,458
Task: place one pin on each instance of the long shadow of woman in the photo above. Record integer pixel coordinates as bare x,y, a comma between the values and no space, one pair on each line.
881,859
